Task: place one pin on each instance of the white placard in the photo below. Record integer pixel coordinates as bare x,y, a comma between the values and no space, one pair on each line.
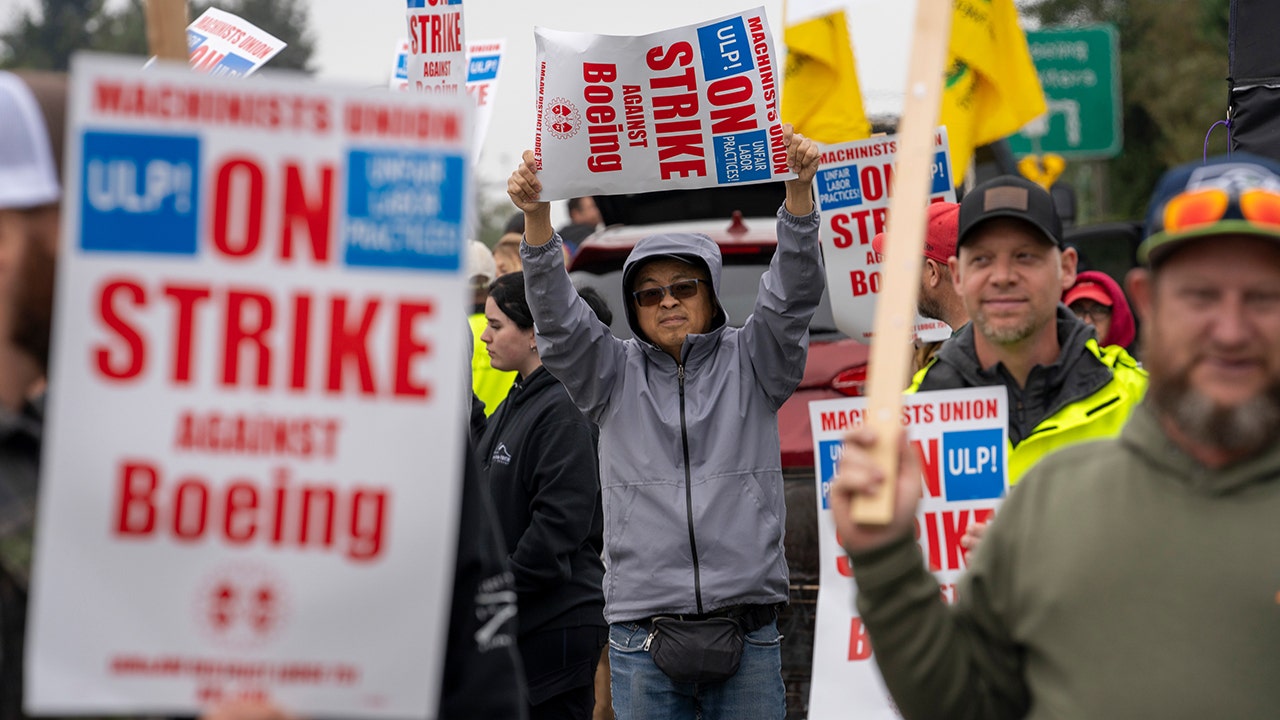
220,43
484,59
399,79
436,50
696,106
853,188
960,438
251,470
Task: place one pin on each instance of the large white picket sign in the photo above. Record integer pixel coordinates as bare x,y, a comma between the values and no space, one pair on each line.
853,189
696,106
252,463
959,436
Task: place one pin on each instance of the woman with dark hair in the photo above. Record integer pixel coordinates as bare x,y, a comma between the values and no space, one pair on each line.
539,458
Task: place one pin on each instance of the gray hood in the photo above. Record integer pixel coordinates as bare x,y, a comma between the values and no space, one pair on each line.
691,247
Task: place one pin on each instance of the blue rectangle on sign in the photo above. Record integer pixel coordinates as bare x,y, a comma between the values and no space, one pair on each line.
742,157
839,187
139,193
726,49
232,66
404,209
482,67
941,173
423,3
829,452
194,40
973,464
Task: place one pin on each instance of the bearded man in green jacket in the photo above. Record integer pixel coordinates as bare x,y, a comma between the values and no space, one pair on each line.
1136,577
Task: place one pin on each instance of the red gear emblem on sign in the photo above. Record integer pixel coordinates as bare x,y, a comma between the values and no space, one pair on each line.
241,605
563,119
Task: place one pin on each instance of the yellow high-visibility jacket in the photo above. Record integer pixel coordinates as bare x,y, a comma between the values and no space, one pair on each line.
1097,392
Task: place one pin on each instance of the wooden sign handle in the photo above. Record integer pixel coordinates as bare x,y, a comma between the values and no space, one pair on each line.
167,29
890,362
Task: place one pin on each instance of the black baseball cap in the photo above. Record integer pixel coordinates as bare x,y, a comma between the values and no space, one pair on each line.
1010,196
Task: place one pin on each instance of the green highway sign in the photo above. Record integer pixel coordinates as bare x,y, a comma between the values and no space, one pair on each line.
1079,69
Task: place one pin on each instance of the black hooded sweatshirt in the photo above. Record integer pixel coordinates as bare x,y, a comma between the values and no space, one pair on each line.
538,454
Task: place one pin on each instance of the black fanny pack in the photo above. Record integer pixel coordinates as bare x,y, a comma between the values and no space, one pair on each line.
703,650
696,651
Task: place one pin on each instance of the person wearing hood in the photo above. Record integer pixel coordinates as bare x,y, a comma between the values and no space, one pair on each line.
1010,270
690,461
1098,301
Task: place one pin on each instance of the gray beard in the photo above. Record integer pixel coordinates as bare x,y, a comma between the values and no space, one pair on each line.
1247,427
1004,336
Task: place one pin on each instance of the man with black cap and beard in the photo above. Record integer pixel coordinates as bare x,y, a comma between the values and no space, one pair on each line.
690,464
1131,577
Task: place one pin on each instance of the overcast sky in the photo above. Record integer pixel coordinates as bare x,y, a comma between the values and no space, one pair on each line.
355,41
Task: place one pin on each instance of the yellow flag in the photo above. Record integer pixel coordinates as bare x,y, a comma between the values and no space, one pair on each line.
820,93
992,88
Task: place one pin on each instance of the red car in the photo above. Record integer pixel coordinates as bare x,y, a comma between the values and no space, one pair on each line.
836,365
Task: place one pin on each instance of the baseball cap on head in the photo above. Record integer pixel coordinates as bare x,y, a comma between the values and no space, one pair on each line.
1009,196
1088,291
1237,194
939,234
28,177
480,263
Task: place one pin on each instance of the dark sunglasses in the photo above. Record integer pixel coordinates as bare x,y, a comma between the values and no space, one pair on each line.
1097,311
682,290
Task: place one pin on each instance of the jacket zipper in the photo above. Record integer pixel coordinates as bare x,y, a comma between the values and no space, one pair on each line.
688,492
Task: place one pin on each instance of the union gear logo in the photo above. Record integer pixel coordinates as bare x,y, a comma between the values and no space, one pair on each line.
564,119
241,606
501,456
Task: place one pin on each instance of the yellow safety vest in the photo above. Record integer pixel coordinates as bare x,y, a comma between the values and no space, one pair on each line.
1096,417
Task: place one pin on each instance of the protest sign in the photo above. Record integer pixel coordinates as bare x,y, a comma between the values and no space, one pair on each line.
853,189
220,43
484,57
959,436
696,106
251,469
436,53
400,67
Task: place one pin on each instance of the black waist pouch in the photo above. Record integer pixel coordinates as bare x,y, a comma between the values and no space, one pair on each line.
696,651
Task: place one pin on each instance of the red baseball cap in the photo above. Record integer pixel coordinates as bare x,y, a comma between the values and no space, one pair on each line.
940,232
1088,291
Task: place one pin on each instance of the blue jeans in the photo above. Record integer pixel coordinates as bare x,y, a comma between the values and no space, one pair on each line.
643,692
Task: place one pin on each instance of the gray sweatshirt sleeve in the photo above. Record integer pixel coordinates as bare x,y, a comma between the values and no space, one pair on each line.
572,342
777,333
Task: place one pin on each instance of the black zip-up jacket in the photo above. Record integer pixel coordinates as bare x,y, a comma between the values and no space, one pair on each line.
538,454
1076,374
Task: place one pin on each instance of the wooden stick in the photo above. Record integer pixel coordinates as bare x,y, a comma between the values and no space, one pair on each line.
890,362
167,29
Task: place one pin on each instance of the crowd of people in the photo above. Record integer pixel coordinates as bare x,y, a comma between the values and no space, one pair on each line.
628,494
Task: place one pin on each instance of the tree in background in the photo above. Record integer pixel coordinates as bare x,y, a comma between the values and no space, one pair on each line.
1173,67
45,39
